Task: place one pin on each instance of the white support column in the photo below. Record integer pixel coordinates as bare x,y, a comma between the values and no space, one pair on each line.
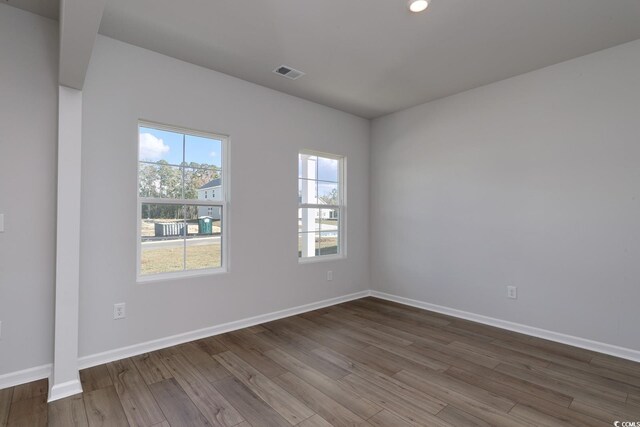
308,192
65,380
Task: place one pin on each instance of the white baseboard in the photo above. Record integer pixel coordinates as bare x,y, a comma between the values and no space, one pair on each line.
66,389
600,347
145,347
25,376
73,387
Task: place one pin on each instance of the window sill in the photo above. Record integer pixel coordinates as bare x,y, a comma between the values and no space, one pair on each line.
161,277
312,260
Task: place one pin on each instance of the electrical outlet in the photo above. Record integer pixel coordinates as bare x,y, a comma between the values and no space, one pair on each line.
329,275
0,329
1,223
119,311
512,292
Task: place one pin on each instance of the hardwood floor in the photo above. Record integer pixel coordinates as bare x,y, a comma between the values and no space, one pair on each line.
367,362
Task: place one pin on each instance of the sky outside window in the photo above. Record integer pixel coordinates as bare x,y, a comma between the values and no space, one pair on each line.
327,169
156,145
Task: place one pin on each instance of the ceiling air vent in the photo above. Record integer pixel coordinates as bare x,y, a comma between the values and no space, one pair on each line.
288,72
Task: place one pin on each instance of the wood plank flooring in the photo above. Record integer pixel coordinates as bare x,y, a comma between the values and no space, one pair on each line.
363,363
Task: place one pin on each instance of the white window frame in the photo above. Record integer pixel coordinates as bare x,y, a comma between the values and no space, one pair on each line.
341,207
223,204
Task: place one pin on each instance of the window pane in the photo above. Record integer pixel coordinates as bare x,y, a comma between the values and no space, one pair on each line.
327,169
328,193
149,180
318,184
160,180
180,165
162,238
307,166
202,152
197,181
328,242
308,245
155,145
307,191
204,241
328,219
308,220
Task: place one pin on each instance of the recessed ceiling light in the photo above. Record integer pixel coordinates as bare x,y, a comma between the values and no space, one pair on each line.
418,5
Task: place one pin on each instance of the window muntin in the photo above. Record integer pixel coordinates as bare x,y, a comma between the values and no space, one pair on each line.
180,229
320,205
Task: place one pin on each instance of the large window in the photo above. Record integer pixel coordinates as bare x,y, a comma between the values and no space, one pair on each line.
321,203
182,201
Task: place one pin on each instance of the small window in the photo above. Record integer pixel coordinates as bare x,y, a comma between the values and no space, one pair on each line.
321,204
181,230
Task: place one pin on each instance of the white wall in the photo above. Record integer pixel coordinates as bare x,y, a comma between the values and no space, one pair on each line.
28,135
267,128
533,181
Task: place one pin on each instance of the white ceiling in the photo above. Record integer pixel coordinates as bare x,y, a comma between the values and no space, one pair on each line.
371,57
